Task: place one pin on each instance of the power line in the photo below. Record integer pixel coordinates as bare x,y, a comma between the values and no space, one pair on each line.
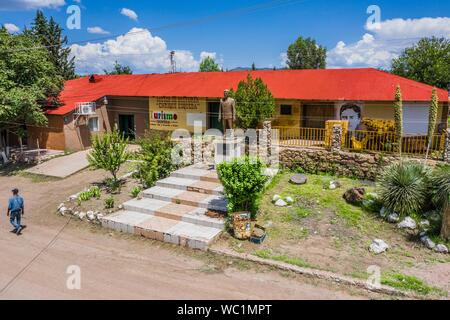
52,241
237,12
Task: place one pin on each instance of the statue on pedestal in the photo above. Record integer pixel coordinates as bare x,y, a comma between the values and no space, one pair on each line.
227,111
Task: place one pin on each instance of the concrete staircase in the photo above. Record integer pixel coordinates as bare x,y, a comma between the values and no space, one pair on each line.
174,210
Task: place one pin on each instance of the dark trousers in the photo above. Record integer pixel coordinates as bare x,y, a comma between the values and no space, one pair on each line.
15,218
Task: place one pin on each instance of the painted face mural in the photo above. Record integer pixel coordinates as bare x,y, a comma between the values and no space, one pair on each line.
352,114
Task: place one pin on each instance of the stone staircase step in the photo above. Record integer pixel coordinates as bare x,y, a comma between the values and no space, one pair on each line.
191,185
190,198
196,173
174,211
163,229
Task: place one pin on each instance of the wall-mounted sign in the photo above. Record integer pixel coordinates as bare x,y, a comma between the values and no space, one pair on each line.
169,113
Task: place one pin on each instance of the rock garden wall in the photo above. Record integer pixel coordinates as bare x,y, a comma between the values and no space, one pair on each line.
340,163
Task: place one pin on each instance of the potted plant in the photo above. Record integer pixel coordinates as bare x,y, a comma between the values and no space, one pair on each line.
243,181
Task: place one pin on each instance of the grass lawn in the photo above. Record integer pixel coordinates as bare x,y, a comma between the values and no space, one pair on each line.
320,230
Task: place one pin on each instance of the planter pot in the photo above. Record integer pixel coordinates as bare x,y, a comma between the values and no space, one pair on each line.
242,225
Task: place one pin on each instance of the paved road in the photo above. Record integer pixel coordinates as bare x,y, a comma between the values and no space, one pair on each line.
116,266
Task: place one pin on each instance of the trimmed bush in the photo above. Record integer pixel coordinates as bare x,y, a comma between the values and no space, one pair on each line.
403,187
243,183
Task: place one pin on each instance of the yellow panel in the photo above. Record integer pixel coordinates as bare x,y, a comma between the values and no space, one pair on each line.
170,113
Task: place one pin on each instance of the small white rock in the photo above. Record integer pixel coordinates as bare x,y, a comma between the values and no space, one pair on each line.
289,200
90,215
120,207
81,215
378,246
407,223
441,248
61,205
428,242
99,216
393,218
276,198
280,203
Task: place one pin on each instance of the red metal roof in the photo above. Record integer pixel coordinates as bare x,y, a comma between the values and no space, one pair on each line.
325,85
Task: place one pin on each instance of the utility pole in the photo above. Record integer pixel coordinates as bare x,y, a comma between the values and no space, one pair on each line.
173,64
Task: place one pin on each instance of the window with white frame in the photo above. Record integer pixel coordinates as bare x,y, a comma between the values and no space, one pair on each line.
93,124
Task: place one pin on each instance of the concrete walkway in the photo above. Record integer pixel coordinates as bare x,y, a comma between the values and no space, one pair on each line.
62,167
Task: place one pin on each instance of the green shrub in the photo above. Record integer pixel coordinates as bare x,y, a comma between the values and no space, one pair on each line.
92,192
371,202
156,157
403,187
440,186
109,203
243,183
135,191
109,152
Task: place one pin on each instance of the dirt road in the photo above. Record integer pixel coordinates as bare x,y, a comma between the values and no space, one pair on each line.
115,266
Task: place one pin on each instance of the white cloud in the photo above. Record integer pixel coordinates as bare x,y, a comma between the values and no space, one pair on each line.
218,59
129,13
97,30
138,48
30,4
385,42
12,28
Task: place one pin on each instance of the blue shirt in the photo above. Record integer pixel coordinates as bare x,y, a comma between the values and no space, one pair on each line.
15,203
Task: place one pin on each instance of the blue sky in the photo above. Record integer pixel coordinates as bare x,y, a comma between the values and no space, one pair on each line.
236,39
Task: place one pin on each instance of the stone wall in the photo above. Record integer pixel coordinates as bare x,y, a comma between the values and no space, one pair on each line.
446,153
353,165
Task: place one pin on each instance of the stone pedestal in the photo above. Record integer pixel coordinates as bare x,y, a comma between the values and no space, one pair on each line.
336,138
446,153
228,148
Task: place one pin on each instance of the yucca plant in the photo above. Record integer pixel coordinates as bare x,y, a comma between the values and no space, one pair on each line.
440,186
403,187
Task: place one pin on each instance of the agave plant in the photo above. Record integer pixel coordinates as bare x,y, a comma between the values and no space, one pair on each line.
440,186
403,187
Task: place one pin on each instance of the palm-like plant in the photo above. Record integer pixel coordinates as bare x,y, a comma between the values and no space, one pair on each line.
440,196
440,186
403,187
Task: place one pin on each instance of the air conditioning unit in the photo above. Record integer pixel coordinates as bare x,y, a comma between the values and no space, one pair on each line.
86,108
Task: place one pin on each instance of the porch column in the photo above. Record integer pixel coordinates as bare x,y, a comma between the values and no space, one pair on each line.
446,153
336,138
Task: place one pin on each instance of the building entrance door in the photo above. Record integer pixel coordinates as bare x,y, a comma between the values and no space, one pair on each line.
213,116
126,126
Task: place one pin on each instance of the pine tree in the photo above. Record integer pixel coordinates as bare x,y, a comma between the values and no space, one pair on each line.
398,118
49,34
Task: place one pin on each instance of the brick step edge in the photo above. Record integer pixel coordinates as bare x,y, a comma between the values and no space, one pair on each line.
208,206
187,188
188,218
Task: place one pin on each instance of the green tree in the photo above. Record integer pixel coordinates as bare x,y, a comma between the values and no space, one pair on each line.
398,118
254,102
28,80
306,54
49,34
119,69
427,61
208,64
109,152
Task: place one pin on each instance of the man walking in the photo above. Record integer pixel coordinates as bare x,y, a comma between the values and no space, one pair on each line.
16,211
